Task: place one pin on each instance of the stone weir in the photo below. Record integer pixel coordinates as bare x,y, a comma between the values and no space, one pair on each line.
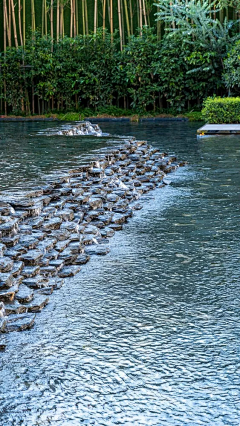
47,235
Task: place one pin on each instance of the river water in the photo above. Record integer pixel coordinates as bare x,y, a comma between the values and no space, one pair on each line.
149,334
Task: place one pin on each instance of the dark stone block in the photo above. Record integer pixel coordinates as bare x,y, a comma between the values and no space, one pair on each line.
19,322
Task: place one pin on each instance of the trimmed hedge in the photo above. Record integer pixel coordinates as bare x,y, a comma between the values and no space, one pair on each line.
221,110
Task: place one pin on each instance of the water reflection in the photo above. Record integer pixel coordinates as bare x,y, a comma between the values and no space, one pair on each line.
149,334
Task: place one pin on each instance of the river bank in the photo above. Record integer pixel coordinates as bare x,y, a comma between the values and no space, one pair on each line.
121,115
47,235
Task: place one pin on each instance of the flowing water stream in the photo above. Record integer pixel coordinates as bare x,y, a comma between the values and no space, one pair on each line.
149,334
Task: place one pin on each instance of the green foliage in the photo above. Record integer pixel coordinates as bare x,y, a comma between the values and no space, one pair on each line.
149,75
231,74
194,21
221,110
142,62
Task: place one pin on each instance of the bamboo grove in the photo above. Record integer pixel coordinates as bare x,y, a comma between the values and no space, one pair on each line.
60,18
65,55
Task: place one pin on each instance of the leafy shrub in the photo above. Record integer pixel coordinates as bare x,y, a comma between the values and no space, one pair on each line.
231,74
221,110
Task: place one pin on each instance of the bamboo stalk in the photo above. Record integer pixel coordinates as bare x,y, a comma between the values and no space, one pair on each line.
131,15
127,18
7,27
4,25
24,22
33,15
51,19
122,20
71,18
14,24
76,18
104,18
20,22
45,10
120,25
86,16
83,18
140,16
57,23
63,29
43,5
144,12
95,16
9,24
111,19
61,20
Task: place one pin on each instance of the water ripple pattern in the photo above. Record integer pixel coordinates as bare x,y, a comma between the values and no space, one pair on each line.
149,334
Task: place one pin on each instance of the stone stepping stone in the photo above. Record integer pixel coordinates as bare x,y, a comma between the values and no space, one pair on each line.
107,232
15,308
118,218
17,268
82,259
89,239
19,322
97,249
28,241
70,226
66,215
6,280
3,248
9,228
32,257
48,271
76,247
10,241
6,209
67,256
69,271
6,264
53,223
30,271
115,226
36,282
39,302
8,294
24,294
61,245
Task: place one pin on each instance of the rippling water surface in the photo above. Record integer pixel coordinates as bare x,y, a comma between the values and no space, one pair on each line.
149,334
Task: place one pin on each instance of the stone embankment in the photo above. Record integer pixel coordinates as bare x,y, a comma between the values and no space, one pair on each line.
47,235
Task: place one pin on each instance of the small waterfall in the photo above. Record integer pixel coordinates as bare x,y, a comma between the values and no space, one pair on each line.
84,128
